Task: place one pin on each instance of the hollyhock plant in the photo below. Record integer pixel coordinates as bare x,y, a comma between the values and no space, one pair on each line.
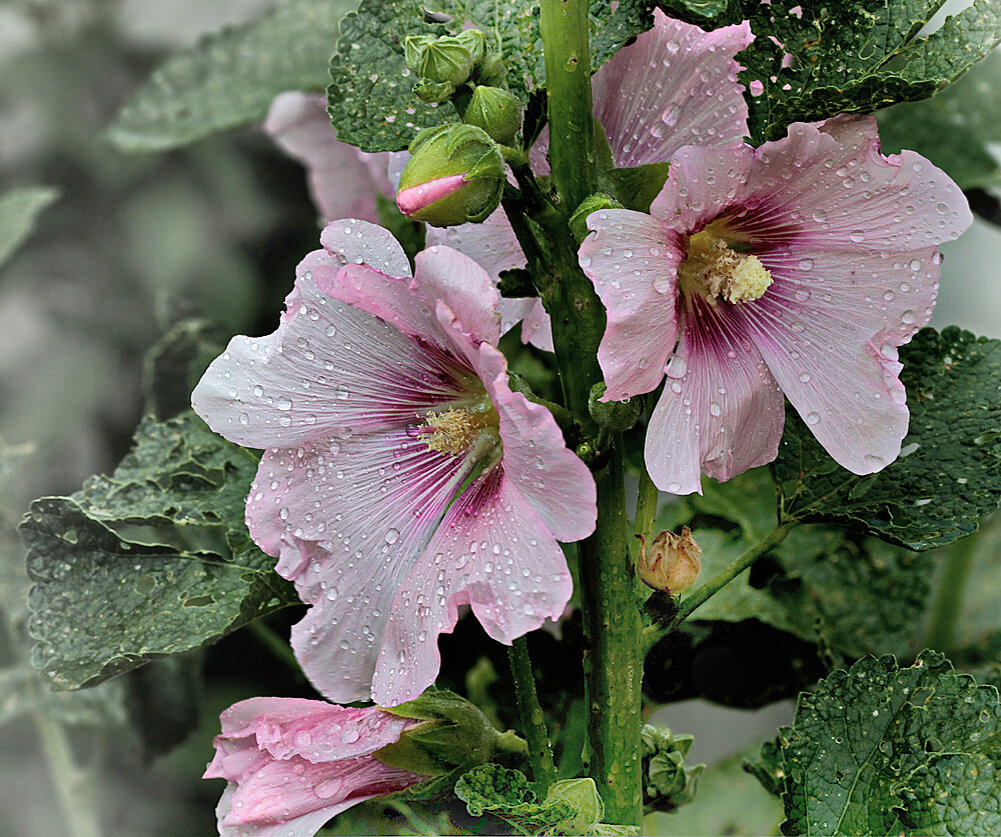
401,478
293,764
797,268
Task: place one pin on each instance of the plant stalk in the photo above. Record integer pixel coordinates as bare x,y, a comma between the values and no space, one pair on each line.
949,595
540,751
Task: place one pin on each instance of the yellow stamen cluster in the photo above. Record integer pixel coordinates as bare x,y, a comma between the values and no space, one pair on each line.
715,270
453,431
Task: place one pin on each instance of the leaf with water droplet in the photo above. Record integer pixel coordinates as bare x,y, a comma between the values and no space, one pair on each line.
953,452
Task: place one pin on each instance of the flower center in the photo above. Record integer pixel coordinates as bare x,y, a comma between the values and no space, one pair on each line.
715,268
458,430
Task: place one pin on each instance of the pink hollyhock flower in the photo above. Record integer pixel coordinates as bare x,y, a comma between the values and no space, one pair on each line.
292,764
402,477
343,180
675,85
798,268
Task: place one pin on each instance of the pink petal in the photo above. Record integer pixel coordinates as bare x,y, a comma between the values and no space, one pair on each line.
423,195
350,518
555,482
328,369
721,411
342,180
536,327
632,260
351,241
491,552
445,275
676,85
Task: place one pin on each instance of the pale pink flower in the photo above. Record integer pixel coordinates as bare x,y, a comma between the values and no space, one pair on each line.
292,764
402,478
675,85
798,268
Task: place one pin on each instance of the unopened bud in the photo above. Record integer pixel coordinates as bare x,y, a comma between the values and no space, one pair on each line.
448,58
433,91
671,563
496,111
455,175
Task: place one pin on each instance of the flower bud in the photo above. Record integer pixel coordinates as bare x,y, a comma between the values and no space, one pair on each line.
671,563
452,733
615,416
433,91
496,111
455,174
448,58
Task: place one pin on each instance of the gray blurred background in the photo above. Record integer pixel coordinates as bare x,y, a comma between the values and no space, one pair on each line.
132,245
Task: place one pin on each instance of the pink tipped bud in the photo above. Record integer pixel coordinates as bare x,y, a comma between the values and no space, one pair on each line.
671,563
413,200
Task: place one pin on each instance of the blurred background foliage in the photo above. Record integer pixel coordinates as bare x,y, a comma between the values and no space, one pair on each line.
133,245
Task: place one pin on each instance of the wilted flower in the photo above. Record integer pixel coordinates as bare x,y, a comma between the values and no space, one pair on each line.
798,267
402,477
292,764
671,563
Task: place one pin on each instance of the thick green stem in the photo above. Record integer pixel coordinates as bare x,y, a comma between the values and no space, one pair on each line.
646,506
949,595
613,664
533,722
710,588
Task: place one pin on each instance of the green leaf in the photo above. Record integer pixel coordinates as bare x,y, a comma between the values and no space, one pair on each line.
881,750
954,128
949,473
571,806
19,209
855,57
371,99
163,700
229,78
151,561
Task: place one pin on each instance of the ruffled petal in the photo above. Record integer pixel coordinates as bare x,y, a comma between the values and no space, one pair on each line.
358,242
537,327
633,260
551,477
446,275
721,412
343,181
829,328
349,518
327,370
676,85
492,552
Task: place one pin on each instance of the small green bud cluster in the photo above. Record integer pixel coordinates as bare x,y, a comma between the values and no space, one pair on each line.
667,782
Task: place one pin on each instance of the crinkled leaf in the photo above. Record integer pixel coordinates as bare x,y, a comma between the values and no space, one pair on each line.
571,806
19,208
854,57
882,750
953,129
948,475
371,98
153,560
229,78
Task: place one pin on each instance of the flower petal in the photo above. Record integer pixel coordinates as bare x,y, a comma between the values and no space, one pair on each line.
349,518
328,368
342,180
358,242
446,275
633,260
676,85
721,411
491,552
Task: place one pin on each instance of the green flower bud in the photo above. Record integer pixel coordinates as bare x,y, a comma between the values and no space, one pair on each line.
667,782
613,415
578,221
448,58
452,732
433,91
455,175
496,111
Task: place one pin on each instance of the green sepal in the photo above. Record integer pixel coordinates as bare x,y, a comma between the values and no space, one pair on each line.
590,205
637,186
667,782
615,416
408,754
433,91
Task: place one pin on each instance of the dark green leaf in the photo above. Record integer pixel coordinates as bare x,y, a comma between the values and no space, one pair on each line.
19,208
151,561
953,129
854,57
949,473
371,99
881,750
163,700
230,77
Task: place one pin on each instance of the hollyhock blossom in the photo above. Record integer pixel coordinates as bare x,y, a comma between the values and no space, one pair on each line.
675,85
292,764
798,268
402,477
